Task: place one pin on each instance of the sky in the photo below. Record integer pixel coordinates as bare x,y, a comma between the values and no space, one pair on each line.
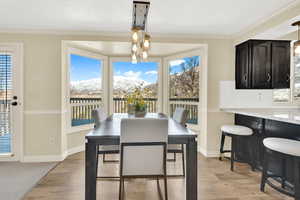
146,71
84,68
175,64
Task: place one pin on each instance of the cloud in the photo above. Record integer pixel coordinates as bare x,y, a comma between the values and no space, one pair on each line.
176,62
153,72
132,74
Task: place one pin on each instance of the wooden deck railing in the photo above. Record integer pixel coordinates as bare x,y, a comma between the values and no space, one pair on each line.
190,104
81,108
120,105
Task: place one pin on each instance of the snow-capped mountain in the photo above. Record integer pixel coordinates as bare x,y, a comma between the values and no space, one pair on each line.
94,85
91,85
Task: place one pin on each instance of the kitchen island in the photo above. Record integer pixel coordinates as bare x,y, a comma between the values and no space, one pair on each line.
283,123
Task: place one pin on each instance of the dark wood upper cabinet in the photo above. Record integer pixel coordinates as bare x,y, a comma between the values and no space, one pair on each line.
262,64
281,65
242,72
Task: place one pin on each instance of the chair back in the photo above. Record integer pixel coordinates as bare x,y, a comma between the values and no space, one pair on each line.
99,115
180,115
143,146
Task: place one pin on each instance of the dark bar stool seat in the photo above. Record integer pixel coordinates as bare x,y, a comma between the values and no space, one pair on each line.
235,131
284,149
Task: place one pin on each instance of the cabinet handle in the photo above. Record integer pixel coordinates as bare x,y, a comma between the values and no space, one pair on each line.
245,77
287,78
269,77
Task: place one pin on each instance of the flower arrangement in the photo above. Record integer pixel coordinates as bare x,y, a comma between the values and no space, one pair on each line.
135,101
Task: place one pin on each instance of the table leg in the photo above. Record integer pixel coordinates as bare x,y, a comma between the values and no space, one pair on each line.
191,170
90,171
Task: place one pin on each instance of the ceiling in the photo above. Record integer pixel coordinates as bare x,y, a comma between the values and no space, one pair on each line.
124,48
192,17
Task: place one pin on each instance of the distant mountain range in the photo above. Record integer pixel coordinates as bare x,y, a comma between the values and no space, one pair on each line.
121,83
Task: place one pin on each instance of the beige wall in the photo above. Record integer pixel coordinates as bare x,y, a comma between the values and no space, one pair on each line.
43,88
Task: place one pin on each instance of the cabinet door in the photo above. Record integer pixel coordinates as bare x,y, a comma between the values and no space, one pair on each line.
261,64
242,67
280,65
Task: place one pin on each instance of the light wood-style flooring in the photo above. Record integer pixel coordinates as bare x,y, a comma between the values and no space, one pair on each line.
215,182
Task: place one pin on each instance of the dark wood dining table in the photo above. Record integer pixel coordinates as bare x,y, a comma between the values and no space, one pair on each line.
108,133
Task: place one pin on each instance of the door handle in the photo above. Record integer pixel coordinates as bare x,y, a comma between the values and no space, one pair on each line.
269,77
245,77
14,103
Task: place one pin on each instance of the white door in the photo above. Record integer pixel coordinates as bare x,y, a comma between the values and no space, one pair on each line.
11,101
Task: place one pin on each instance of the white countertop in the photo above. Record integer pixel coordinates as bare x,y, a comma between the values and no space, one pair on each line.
290,115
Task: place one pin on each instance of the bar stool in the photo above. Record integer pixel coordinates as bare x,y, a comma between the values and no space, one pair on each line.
283,149
235,131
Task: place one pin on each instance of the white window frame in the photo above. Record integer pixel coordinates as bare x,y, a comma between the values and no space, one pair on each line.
128,59
104,70
294,100
202,53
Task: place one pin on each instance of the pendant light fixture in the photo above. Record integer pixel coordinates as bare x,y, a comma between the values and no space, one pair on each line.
297,43
140,38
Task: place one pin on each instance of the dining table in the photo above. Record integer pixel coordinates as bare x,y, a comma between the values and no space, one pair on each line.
108,133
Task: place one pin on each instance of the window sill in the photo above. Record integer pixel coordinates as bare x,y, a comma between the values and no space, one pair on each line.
81,128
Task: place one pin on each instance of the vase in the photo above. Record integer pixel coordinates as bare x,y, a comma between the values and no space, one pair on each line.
131,109
140,113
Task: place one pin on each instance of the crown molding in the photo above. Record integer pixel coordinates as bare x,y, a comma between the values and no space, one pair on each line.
266,19
119,35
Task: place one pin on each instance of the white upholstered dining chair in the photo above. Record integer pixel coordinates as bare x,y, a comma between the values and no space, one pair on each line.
143,150
180,115
99,115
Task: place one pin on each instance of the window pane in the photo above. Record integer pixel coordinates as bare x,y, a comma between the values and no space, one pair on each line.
184,86
128,76
297,76
184,78
5,102
85,88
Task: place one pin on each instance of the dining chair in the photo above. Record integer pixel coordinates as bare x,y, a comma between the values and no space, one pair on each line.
143,150
180,115
99,115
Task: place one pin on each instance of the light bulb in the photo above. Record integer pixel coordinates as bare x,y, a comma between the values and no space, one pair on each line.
134,48
145,55
146,44
135,36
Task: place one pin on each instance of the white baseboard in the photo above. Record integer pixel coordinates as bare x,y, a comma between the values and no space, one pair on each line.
43,158
209,154
75,150
53,158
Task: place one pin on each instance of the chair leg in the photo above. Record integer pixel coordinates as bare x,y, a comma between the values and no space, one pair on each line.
97,160
264,172
283,168
166,187
251,156
232,153
174,157
222,146
121,188
103,158
183,160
